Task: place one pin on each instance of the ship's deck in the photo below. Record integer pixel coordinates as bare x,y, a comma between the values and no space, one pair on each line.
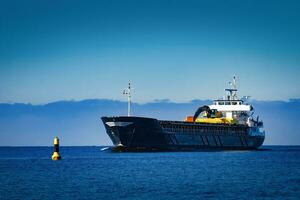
193,127
200,124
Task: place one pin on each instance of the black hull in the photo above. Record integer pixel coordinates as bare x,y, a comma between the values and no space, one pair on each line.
148,134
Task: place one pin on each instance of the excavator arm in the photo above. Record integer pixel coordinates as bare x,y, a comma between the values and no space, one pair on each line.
200,110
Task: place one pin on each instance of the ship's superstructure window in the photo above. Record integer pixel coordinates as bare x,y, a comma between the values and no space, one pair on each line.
227,102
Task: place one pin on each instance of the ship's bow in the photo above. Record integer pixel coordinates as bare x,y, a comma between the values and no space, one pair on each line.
134,133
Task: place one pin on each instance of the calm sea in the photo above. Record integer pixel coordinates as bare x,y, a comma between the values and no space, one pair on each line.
91,173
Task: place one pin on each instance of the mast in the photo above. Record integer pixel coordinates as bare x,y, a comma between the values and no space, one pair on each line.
234,85
127,92
233,90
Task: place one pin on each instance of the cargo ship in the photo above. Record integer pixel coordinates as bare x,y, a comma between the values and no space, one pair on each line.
227,124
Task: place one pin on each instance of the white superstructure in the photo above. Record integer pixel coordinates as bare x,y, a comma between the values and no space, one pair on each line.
231,107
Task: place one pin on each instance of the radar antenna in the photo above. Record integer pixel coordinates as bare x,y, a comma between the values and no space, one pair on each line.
127,92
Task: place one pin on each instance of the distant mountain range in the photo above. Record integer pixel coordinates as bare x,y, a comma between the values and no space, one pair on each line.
78,122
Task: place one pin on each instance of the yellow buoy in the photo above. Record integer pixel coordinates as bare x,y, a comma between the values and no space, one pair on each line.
56,155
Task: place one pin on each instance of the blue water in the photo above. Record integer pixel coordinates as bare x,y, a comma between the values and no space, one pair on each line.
89,173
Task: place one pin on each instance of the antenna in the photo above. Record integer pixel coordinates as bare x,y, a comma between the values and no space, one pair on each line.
233,90
127,92
234,85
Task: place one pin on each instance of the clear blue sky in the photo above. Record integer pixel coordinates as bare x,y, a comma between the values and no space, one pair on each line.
179,50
